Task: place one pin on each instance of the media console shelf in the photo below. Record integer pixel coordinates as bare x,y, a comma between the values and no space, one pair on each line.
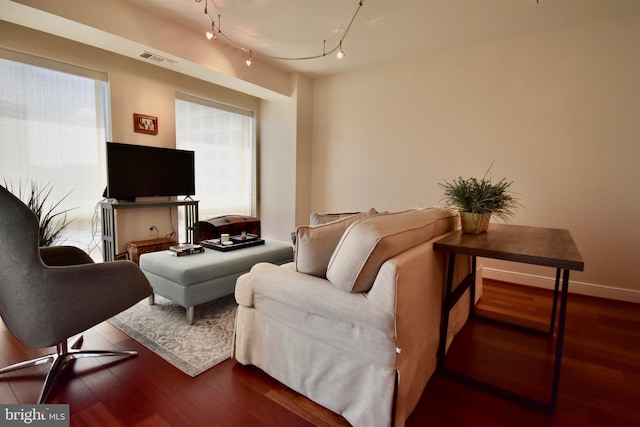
110,225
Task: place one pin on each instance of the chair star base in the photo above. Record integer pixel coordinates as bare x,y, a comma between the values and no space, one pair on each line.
62,356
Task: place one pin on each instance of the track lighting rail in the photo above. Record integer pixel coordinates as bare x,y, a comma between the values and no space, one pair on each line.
216,31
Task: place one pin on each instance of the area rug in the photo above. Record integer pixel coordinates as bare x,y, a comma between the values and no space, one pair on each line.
164,330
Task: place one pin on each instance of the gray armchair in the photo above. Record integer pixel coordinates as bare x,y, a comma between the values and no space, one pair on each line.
48,295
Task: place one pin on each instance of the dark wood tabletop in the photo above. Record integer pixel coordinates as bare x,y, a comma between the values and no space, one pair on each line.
552,247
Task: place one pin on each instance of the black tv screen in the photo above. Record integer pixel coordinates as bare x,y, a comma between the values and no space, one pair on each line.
140,171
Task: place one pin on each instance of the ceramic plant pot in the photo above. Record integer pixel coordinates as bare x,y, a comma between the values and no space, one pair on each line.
474,223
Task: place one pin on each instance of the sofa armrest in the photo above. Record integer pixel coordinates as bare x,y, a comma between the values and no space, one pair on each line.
317,296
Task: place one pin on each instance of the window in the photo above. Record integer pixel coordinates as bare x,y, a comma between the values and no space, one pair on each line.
223,140
53,132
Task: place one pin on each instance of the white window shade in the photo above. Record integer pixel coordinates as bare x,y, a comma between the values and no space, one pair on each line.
53,131
223,140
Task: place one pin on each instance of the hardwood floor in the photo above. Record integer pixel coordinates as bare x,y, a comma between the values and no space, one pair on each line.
599,384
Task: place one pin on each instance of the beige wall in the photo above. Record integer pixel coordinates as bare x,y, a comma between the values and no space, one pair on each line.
557,112
129,29
135,87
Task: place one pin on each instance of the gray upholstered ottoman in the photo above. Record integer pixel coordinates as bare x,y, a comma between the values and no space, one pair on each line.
198,278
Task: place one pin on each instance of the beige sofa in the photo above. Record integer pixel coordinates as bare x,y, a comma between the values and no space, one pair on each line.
353,324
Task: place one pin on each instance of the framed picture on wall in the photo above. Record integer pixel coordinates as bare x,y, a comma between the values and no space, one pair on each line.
145,124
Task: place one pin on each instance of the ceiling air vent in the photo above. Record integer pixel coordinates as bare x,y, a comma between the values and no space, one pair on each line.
156,58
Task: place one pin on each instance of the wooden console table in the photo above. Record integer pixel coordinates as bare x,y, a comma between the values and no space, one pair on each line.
532,245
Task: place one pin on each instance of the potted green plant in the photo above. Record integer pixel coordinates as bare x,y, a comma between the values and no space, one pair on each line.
36,198
477,199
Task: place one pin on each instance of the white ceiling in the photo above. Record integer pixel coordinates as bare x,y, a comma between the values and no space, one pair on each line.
382,31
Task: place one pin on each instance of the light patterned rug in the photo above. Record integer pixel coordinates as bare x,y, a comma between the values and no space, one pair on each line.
163,329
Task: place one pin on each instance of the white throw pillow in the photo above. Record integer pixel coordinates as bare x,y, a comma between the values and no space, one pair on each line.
324,218
315,243
369,242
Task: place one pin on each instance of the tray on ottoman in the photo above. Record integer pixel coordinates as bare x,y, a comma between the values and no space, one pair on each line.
237,242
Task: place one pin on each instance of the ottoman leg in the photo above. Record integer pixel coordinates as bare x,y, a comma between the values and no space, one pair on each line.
190,315
152,299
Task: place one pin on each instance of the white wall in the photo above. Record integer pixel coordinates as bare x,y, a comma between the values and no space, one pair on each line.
557,112
285,161
277,151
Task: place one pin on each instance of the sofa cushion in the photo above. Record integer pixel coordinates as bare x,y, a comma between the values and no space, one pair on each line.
324,218
316,243
369,242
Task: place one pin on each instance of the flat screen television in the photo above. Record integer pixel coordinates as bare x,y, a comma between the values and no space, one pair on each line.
140,171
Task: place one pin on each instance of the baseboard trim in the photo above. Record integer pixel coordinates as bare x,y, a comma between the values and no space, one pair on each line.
580,288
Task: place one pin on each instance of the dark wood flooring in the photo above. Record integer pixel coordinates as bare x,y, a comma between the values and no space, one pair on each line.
599,384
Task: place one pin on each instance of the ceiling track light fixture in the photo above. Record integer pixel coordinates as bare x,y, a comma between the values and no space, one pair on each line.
216,28
212,34
340,54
